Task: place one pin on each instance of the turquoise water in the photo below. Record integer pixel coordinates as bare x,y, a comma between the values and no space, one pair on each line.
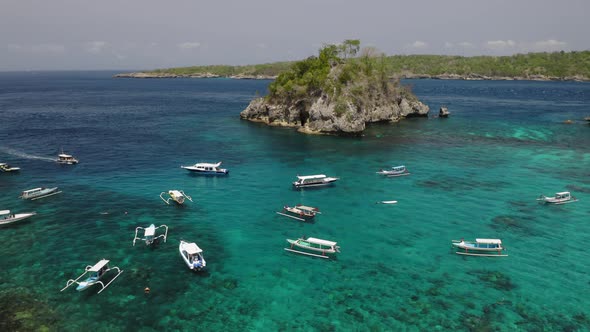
476,174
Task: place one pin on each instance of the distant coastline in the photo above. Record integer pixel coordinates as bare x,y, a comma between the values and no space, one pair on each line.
557,66
469,77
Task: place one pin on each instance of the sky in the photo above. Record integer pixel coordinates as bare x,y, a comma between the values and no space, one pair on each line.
149,34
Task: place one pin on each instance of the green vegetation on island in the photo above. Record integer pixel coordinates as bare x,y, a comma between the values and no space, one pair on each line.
338,91
541,66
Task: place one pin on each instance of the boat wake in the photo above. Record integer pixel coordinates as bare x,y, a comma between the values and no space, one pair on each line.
24,155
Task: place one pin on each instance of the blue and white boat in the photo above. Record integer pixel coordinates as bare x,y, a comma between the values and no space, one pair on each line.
207,169
481,247
95,273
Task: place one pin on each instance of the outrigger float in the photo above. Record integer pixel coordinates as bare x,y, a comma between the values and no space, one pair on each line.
559,198
38,193
175,195
481,247
394,171
7,218
96,273
149,234
314,245
300,212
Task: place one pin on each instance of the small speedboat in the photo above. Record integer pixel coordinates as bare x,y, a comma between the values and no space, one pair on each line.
37,193
559,198
67,159
207,169
480,247
313,247
313,181
95,273
7,218
4,167
394,171
192,255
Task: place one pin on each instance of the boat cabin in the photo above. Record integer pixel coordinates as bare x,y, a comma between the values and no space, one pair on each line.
63,158
311,179
488,243
563,195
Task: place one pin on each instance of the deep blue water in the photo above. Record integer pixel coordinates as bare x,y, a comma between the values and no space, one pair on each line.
476,174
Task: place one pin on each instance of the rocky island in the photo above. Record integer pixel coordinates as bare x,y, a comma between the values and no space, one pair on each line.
335,93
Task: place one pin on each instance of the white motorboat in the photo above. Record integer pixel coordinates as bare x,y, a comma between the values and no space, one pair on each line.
394,171
6,217
559,198
313,181
480,247
207,169
4,167
67,159
311,245
38,193
97,271
149,234
175,195
192,255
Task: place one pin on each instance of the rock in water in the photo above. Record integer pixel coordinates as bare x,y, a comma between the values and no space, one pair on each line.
443,112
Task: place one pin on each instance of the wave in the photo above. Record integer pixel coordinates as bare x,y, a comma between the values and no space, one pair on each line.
24,155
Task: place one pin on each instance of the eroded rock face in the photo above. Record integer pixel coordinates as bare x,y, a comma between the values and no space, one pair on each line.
321,115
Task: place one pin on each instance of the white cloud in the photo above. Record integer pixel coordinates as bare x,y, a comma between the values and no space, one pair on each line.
419,44
48,48
499,45
189,45
95,47
466,45
550,45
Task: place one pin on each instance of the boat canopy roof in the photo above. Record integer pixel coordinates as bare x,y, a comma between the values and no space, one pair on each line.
191,248
320,241
99,265
489,241
208,164
310,177
4,212
175,193
150,231
63,155
399,167
32,190
563,193
306,208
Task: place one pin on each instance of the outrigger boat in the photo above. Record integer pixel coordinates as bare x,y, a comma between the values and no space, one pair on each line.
7,218
312,245
559,198
192,255
175,195
481,247
313,181
67,159
38,193
96,273
207,169
300,212
394,171
149,234
4,167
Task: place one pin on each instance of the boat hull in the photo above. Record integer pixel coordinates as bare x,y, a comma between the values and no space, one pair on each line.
202,172
16,217
311,185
